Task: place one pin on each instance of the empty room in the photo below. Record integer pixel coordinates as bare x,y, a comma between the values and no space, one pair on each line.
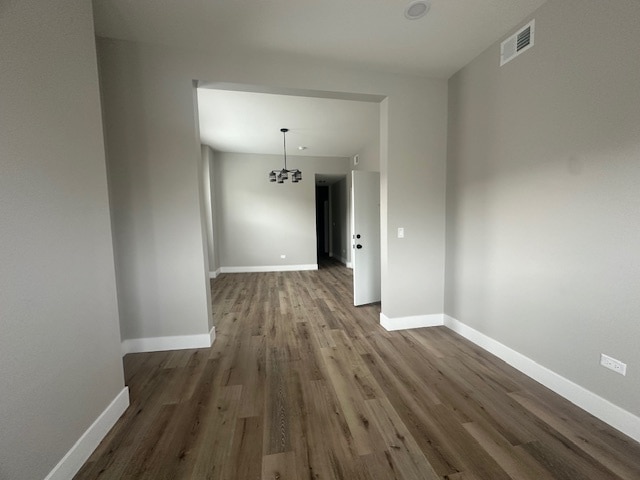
285,239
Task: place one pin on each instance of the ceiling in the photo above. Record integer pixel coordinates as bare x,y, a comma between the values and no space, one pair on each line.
368,33
249,122
372,34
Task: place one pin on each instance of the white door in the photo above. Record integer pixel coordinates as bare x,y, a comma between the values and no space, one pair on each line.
365,202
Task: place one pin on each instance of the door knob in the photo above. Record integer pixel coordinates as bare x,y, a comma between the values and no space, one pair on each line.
358,246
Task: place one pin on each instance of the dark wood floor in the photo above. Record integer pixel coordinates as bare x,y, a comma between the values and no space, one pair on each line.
301,385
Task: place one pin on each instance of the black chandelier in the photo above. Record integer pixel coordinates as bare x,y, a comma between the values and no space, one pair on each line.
280,176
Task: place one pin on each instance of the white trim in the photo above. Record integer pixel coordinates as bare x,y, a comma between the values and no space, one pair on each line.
341,260
415,321
269,268
90,439
178,342
597,406
346,264
215,273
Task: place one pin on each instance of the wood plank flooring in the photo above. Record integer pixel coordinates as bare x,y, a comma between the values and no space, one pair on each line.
299,384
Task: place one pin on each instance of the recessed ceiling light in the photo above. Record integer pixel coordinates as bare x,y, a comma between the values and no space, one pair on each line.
417,9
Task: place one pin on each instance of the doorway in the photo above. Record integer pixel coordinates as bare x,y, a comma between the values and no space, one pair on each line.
326,125
323,224
333,224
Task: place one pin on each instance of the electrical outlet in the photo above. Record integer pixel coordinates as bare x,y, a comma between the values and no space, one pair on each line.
612,364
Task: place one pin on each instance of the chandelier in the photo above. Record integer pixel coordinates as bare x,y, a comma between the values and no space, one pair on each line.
280,176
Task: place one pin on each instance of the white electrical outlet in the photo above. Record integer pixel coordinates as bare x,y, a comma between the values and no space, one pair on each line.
612,364
400,232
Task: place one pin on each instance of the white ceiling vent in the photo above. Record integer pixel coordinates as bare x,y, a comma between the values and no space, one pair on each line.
517,43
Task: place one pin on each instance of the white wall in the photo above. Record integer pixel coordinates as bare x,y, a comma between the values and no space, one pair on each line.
150,129
60,362
543,202
258,220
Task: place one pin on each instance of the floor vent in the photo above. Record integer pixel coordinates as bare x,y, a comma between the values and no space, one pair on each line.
519,42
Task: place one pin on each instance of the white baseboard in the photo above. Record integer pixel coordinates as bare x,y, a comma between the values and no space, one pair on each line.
214,274
597,406
341,260
90,439
269,268
159,344
415,321
349,265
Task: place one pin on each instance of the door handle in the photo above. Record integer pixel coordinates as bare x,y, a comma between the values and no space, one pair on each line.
358,246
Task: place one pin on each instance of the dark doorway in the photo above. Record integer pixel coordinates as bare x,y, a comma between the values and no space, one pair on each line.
322,223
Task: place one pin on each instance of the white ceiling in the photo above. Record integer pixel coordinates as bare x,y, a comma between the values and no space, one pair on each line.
370,33
248,122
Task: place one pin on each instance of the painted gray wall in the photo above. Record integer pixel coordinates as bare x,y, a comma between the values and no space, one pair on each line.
60,360
259,220
369,156
207,183
215,223
206,224
150,127
154,158
413,179
340,218
542,195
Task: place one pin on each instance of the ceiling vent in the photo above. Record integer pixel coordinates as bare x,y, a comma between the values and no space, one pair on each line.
519,42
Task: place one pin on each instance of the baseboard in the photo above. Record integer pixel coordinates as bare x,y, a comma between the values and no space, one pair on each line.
618,418
158,344
269,268
342,260
349,265
415,321
215,273
90,439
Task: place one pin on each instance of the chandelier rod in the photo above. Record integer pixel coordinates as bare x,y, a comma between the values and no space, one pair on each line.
284,141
